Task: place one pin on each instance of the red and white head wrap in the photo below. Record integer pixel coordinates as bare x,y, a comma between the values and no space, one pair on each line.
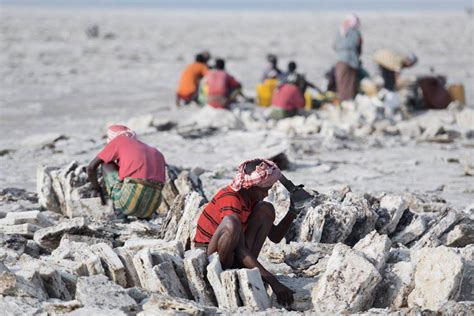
264,176
117,130
351,21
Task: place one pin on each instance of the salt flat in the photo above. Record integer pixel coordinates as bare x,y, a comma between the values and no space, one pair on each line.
54,79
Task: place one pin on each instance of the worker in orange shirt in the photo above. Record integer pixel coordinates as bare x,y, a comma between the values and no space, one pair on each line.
190,77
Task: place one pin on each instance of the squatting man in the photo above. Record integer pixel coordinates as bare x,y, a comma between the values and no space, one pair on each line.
236,222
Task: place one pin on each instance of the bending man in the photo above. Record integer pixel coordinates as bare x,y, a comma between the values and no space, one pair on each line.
391,63
134,173
237,221
223,89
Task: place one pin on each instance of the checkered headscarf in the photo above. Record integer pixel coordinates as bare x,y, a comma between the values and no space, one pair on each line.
117,130
264,176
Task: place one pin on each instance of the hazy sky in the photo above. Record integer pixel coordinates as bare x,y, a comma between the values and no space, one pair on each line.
263,4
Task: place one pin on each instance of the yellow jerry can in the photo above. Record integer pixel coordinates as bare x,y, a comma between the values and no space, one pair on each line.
265,92
308,101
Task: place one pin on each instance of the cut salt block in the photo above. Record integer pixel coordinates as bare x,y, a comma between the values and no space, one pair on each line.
195,262
252,290
114,268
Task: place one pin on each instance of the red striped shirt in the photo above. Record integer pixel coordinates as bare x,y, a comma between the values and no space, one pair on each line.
225,202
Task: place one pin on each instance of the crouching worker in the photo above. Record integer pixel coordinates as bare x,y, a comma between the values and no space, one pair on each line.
286,101
190,78
134,173
237,221
223,89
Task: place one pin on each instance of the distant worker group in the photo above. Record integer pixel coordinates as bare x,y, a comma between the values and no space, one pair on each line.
286,92
203,84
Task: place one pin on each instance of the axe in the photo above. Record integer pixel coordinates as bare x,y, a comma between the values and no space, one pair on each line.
301,198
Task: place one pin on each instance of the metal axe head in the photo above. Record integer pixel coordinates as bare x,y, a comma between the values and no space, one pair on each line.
301,198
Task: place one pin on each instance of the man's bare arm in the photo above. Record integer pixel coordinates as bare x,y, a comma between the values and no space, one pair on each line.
312,85
92,173
277,232
284,294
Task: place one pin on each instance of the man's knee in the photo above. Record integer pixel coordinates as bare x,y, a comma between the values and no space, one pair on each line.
231,224
265,210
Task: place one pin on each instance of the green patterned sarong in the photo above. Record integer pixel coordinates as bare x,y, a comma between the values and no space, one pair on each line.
279,114
134,197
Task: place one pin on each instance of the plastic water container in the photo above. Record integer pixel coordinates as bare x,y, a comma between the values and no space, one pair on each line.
457,93
308,100
265,92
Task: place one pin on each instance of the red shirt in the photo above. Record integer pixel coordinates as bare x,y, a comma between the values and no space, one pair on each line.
134,159
288,97
225,202
220,85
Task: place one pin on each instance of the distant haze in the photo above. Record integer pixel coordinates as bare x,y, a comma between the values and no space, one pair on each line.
274,5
